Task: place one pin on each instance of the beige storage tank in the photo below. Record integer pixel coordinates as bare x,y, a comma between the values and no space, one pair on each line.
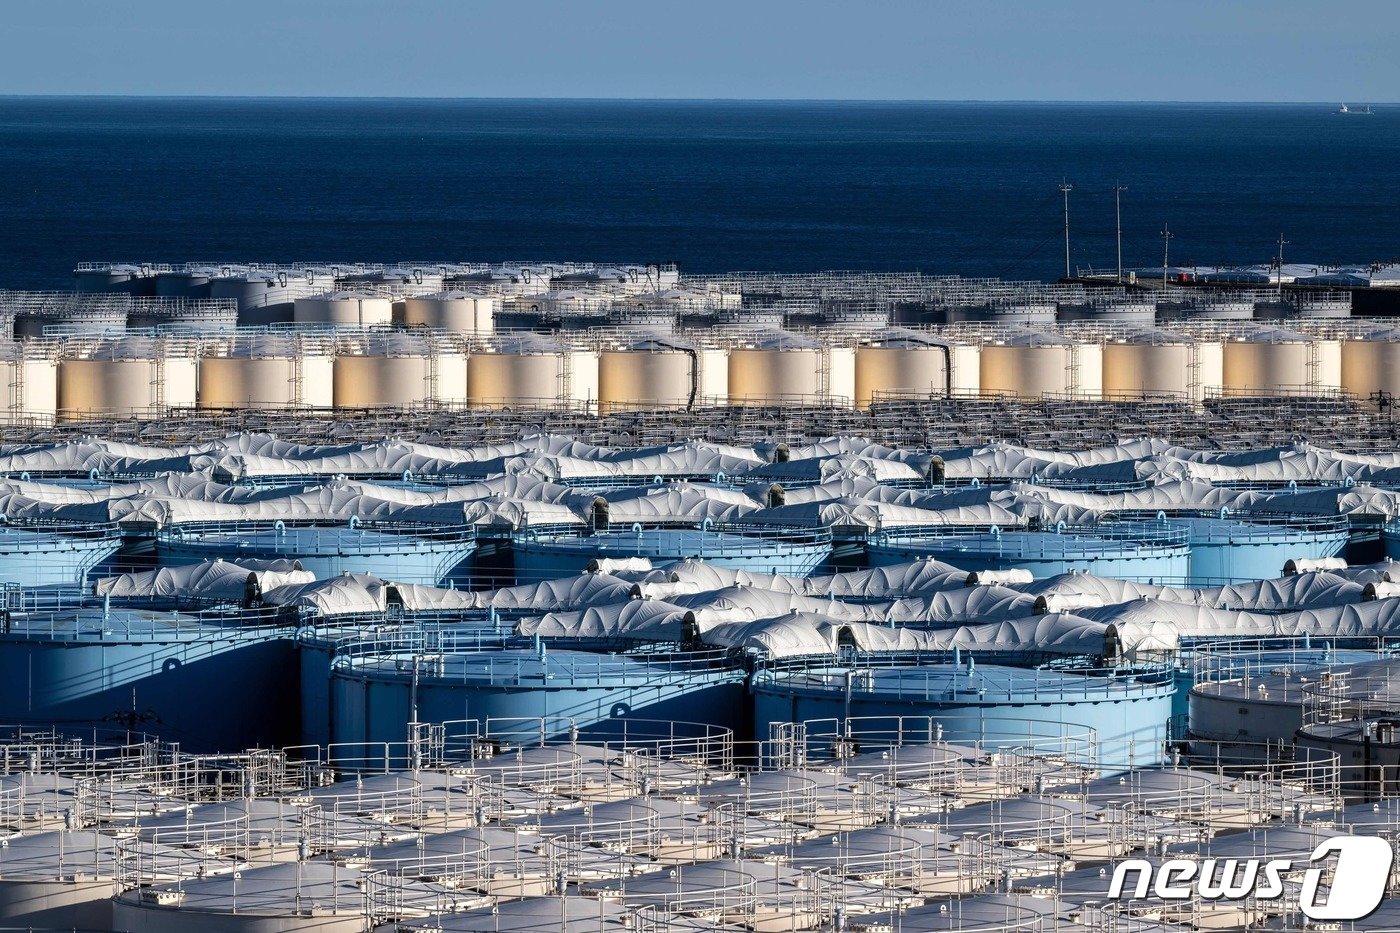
1159,362
1271,361
532,372
467,312
651,372
28,382
1370,362
1032,364
902,364
345,309
777,368
261,371
399,371
127,377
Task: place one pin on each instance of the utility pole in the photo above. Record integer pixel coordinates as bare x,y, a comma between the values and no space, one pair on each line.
1167,236
1065,189
1118,217
1281,244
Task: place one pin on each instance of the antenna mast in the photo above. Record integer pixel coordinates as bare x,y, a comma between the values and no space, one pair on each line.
1279,260
1167,237
1065,189
1118,216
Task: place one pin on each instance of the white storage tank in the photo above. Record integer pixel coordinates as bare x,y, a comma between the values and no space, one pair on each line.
411,279
358,308
1032,364
650,372
777,368
126,377
268,296
1370,362
399,370
531,371
903,364
471,312
1274,361
1159,362
260,371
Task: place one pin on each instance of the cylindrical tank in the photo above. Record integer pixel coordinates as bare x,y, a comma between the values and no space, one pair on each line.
793,551
127,378
1252,693
28,383
468,312
33,312
902,365
193,281
1370,363
1158,362
267,371
324,897
985,701
399,371
1128,310
532,372
205,682
344,309
127,278
405,281
268,296
191,314
1143,551
1134,369
1033,364
648,373
651,320
54,554
1208,308
373,692
405,553
1314,305
777,368
1271,362
1022,312
1229,549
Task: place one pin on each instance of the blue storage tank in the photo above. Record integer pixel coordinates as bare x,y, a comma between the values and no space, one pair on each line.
317,647
1238,547
795,551
217,682
1127,707
54,555
402,552
376,682
1142,551
1390,539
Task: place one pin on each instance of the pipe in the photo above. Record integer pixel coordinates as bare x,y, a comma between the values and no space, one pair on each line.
694,376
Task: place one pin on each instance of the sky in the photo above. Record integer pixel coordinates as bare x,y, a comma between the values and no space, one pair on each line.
1182,50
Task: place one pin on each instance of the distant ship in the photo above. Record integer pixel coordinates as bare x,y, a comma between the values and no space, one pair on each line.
1345,109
